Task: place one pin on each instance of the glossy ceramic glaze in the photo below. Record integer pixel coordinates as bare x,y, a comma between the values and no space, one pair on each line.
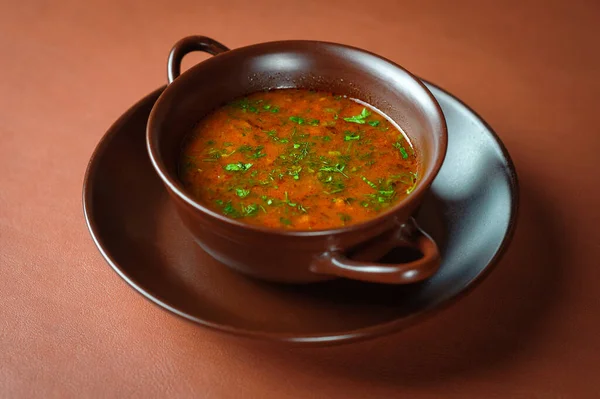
300,256
470,211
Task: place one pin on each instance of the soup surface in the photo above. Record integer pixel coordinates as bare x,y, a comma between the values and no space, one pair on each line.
298,159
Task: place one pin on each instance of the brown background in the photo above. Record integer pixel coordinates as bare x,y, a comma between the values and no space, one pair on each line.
70,327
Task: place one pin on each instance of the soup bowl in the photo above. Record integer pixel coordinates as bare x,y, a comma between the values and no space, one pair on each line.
297,256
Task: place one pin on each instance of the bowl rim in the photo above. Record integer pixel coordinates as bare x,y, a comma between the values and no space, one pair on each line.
175,187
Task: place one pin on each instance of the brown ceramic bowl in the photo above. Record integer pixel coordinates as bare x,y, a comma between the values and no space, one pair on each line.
286,255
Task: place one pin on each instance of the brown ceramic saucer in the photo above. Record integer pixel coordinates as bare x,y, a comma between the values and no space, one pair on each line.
470,212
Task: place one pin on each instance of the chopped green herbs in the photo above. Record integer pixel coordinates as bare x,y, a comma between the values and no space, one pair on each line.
297,119
387,193
250,209
230,211
285,221
398,145
234,167
252,152
361,118
271,108
408,179
295,172
246,105
351,136
268,200
369,182
344,217
313,161
272,133
338,167
403,152
242,192
287,201
336,186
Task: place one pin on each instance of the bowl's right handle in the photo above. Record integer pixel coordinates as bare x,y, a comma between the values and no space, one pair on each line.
187,45
409,234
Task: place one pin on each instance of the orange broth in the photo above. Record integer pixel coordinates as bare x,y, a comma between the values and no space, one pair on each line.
298,159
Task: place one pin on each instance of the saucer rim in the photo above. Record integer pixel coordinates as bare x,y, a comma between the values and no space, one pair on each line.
372,331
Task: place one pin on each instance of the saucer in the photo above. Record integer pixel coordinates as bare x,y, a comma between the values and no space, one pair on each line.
470,211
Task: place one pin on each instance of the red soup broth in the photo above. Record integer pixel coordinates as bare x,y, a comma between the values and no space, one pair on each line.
298,159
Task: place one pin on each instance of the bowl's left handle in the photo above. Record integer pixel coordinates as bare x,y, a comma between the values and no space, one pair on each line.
187,45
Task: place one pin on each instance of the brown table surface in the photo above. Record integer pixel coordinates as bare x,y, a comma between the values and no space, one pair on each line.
70,327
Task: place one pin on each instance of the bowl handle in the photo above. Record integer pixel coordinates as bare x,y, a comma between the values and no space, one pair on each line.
408,234
187,45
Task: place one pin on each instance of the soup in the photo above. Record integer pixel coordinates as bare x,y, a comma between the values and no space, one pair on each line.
298,159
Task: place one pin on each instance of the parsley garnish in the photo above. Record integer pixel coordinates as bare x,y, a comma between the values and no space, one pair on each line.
295,172
287,201
360,119
344,217
246,105
413,177
250,209
271,108
234,167
351,136
285,221
297,119
268,200
369,182
338,167
256,151
230,211
338,186
242,192
272,133
401,148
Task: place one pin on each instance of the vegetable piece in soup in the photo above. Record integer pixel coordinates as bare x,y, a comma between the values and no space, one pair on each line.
298,159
